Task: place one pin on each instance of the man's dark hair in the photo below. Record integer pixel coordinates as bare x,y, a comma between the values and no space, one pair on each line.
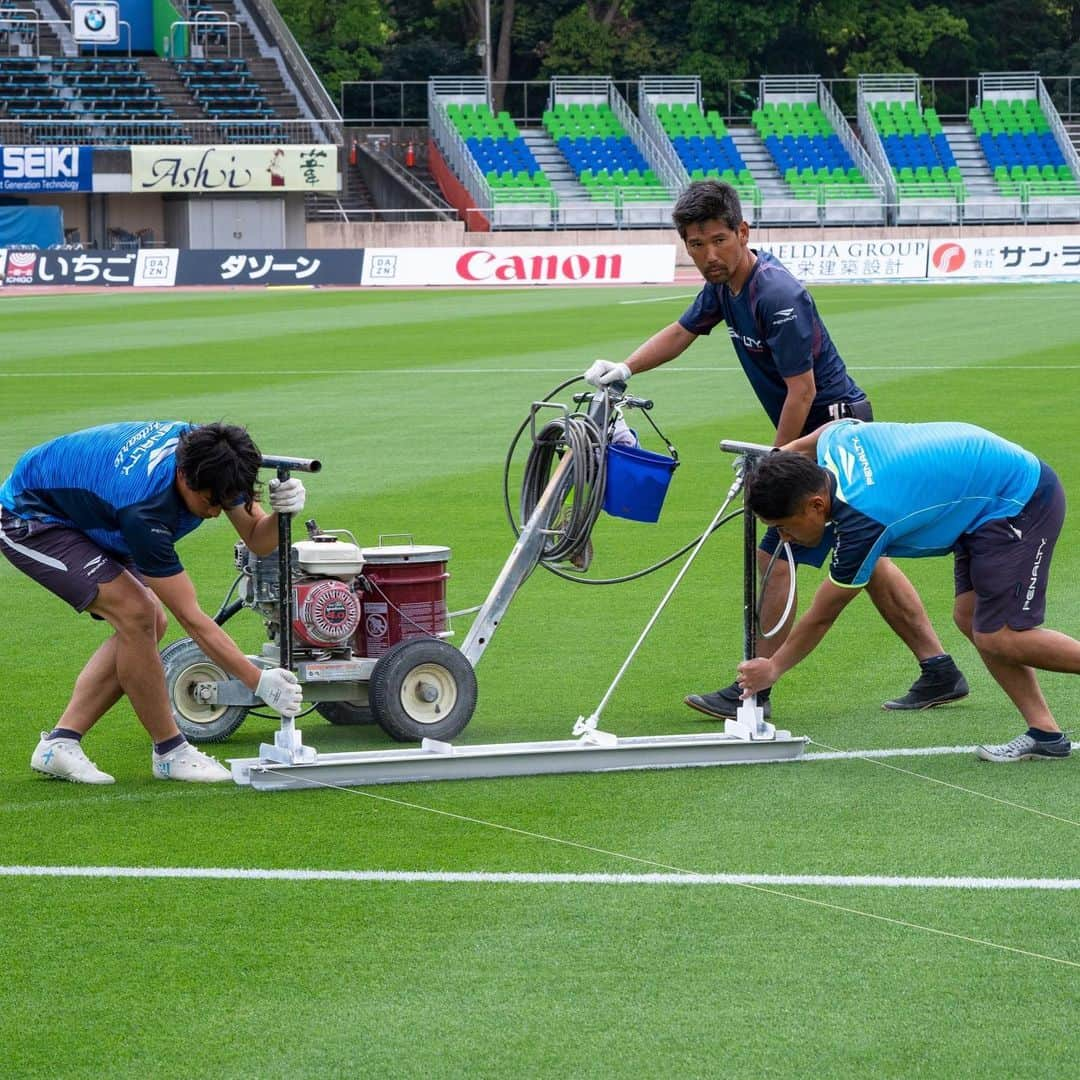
221,459
707,200
781,482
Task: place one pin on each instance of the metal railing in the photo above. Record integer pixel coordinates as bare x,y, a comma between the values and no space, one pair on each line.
124,133
295,60
403,103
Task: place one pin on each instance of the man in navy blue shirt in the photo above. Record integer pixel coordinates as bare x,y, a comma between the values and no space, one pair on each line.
921,490
94,517
802,383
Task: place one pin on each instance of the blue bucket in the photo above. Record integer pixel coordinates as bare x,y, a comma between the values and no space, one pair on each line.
637,481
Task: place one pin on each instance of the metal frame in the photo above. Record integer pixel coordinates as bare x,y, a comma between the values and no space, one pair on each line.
290,765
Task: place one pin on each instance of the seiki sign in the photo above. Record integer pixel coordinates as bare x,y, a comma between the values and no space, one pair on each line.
46,168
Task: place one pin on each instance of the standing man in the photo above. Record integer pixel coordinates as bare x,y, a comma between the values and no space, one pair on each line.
94,517
802,383
921,490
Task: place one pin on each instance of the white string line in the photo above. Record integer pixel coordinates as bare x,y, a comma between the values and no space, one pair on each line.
681,870
945,783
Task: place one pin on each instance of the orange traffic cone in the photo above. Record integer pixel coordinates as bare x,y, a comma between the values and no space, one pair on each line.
410,156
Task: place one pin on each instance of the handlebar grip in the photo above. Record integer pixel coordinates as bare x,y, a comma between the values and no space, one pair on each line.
733,447
293,464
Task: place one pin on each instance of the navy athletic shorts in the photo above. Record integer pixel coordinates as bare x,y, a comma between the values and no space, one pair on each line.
1007,562
66,561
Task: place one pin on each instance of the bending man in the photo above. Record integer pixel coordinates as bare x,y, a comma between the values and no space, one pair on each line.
94,517
922,490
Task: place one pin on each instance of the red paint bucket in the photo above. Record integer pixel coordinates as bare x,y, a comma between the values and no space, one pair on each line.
402,594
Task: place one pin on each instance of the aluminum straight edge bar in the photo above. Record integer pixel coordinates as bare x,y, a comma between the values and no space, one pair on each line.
441,761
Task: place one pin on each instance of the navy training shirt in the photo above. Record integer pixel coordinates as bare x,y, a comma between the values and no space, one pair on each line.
777,333
115,483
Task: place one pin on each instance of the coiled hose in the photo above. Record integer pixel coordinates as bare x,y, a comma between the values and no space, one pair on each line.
586,480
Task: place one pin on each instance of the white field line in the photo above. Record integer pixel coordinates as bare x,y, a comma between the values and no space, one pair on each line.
723,369
481,877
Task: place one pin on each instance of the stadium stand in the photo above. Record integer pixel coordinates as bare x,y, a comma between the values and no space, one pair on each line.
1008,160
824,169
500,152
587,163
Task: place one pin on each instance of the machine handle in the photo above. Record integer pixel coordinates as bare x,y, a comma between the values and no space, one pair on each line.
628,401
733,447
295,464
284,534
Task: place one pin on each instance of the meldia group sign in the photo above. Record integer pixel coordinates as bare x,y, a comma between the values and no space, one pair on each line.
511,265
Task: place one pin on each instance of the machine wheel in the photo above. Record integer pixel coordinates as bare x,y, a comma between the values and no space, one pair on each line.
345,712
186,665
422,688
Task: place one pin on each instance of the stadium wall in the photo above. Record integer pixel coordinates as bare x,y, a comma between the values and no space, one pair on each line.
453,234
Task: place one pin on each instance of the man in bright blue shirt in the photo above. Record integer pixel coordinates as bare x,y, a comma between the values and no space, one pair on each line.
921,490
802,383
94,517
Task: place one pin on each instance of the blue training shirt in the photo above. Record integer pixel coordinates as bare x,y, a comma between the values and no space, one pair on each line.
777,333
915,489
115,483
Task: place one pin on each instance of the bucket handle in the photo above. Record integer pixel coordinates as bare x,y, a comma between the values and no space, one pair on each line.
671,449
390,536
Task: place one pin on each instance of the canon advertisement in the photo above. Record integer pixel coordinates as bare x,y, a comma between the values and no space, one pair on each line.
499,265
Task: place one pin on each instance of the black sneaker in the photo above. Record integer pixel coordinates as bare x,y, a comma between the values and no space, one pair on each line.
725,702
931,689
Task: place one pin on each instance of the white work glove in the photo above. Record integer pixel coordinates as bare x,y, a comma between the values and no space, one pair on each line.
287,496
604,372
281,690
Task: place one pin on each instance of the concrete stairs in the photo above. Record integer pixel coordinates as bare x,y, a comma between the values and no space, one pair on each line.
759,161
170,87
970,159
549,157
355,196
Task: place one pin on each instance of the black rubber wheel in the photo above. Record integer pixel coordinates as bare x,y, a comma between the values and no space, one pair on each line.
422,688
345,712
186,665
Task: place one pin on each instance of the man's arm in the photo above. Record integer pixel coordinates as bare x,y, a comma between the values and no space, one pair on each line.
257,528
663,346
178,594
829,600
801,391
808,443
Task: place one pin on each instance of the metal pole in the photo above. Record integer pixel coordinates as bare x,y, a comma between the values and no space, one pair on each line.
749,573
487,41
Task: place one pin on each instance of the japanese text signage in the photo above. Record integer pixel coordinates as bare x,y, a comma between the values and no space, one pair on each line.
165,267
1006,257
322,266
46,168
234,169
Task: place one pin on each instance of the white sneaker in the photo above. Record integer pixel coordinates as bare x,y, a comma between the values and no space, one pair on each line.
187,763
64,759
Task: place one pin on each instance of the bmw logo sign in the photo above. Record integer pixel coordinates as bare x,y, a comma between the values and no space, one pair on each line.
94,20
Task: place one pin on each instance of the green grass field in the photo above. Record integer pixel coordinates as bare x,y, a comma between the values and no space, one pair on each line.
410,400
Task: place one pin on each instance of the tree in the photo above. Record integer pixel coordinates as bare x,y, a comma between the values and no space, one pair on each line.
341,40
